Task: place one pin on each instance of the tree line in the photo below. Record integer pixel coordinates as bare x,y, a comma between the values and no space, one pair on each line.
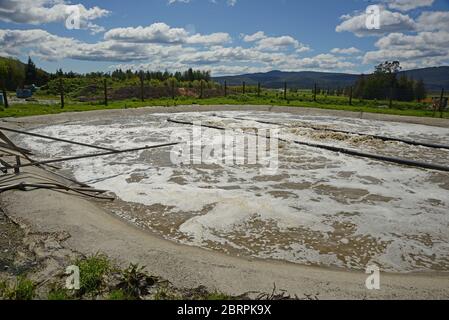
384,84
15,74
120,75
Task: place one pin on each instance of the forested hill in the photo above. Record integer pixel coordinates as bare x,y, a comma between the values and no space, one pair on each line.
434,78
14,73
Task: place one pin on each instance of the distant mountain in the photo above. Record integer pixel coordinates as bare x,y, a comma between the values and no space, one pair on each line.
434,78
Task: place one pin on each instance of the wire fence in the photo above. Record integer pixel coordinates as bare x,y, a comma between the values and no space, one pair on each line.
107,90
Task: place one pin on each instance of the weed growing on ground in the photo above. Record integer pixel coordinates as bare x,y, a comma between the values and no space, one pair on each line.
92,271
22,289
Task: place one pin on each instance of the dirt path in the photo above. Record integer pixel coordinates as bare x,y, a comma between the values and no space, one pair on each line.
90,229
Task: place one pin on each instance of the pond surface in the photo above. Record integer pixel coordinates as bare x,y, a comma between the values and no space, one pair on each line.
318,208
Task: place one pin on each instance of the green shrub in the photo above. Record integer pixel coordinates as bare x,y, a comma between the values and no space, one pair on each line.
92,272
23,289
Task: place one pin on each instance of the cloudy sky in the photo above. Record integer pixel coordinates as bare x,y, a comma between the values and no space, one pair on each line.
224,36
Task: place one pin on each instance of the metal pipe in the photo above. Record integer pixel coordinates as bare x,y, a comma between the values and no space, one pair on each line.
95,155
55,139
411,163
383,138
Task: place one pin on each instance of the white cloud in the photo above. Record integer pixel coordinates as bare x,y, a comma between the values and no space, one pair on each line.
389,22
348,51
266,43
230,3
155,33
254,37
425,48
164,34
171,55
37,12
433,21
407,5
420,43
210,39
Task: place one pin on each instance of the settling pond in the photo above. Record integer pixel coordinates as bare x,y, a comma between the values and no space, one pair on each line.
319,208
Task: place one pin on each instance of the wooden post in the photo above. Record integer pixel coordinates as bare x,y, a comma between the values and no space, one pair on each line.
105,92
225,88
441,103
350,96
142,89
314,93
391,97
258,89
244,87
285,90
5,96
201,89
61,91
173,89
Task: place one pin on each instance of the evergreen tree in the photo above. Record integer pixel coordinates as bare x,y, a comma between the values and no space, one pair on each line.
30,72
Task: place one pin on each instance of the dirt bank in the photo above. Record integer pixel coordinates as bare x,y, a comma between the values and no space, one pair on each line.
29,122
91,229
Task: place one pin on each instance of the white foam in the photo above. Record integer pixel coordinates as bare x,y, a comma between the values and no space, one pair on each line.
418,209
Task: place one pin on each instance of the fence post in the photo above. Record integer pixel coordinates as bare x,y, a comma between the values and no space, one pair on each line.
350,96
285,90
225,88
105,92
391,97
5,96
258,89
173,89
441,103
314,93
61,91
142,89
244,87
201,89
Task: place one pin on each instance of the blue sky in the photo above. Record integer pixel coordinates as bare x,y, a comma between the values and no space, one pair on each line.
225,36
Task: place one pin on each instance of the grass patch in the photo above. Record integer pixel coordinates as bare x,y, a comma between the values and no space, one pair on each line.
217,296
22,289
294,100
92,271
119,295
57,293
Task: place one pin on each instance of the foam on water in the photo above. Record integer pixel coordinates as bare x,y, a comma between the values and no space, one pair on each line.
320,208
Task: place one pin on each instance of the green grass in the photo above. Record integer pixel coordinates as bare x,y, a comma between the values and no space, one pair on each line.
22,289
92,271
217,296
304,100
119,295
101,279
59,294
